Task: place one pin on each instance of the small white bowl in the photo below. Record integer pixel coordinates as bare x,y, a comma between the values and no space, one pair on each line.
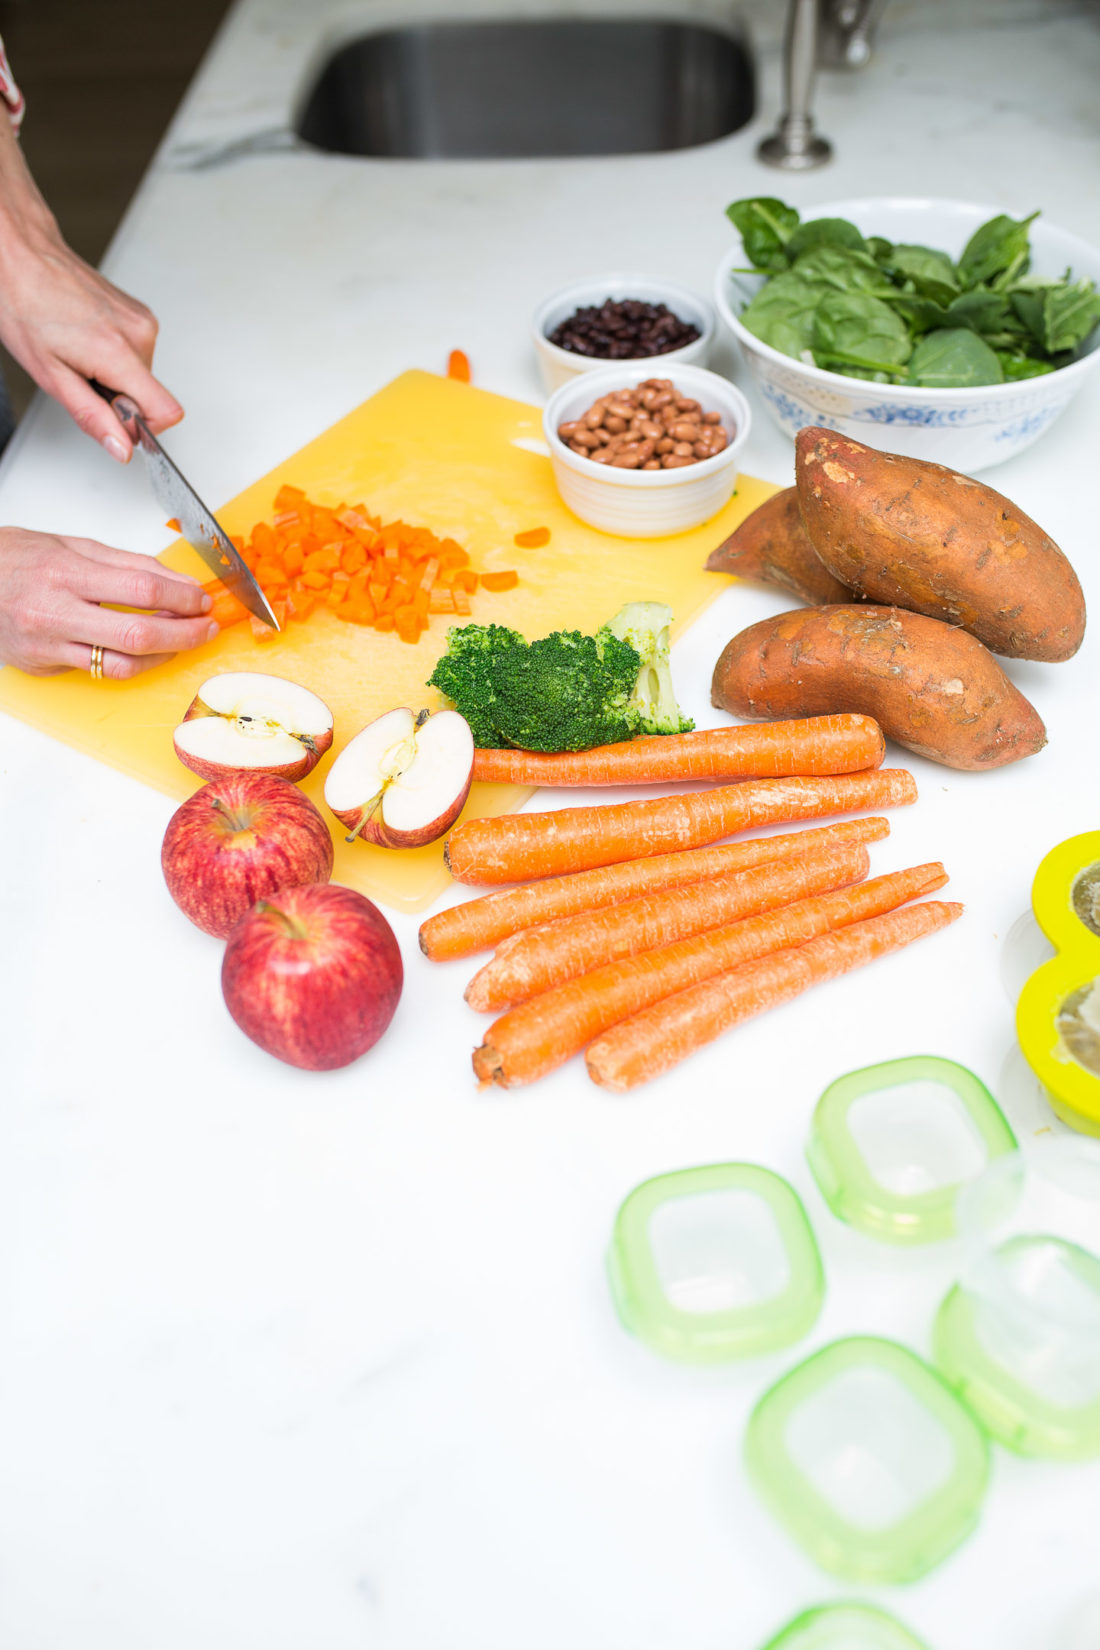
558,366
967,429
646,504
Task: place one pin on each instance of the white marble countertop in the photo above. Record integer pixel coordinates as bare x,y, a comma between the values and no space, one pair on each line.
296,1361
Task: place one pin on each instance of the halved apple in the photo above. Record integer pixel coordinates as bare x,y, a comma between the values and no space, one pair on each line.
246,722
403,780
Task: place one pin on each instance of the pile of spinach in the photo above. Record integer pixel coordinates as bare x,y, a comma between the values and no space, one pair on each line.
900,314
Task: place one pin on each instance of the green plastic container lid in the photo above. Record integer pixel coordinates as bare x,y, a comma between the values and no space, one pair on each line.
844,1627
715,1263
1031,1378
869,1461
891,1144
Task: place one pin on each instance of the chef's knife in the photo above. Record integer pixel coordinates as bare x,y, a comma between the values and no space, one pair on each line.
197,524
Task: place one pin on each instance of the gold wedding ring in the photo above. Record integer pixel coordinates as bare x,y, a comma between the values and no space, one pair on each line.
96,666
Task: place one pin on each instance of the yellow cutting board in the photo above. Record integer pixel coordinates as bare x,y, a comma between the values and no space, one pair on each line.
438,454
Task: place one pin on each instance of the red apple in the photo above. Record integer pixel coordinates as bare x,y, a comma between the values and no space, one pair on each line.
313,975
238,840
403,780
246,721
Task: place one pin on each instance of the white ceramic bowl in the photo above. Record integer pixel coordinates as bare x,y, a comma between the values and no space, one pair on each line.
646,504
968,429
558,366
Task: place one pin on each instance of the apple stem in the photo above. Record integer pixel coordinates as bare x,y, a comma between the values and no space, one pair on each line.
368,810
293,928
234,820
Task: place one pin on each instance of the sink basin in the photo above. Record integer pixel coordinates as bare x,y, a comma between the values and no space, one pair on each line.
530,87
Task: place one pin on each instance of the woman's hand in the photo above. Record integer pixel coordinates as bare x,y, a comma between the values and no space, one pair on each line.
64,323
51,591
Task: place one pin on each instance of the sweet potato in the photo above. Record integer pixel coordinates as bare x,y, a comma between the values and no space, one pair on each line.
932,688
773,546
918,535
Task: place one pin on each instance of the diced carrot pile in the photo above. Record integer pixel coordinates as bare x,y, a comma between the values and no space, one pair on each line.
388,575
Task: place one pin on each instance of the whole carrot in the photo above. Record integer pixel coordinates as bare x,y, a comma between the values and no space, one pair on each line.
479,924
647,1044
517,847
543,957
540,1035
766,750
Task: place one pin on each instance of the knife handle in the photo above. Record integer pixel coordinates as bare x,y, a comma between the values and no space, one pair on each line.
127,409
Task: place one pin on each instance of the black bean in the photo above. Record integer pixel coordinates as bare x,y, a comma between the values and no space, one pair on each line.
623,329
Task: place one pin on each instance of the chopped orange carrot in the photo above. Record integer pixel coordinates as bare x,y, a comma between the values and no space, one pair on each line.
458,366
355,565
227,610
499,581
533,539
173,524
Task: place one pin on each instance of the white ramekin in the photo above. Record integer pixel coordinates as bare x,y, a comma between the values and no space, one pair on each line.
646,504
966,429
558,366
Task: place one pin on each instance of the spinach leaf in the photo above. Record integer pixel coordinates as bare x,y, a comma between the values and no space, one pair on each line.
859,330
907,313
997,248
932,273
1021,366
765,226
782,313
919,314
1069,315
979,309
843,269
1028,307
825,232
953,358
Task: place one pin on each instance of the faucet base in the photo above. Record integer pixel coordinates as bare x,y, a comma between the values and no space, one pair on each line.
794,151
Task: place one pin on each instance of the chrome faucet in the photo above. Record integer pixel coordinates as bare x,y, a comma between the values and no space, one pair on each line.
832,32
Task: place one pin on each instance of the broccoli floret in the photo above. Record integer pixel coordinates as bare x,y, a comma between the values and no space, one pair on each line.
645,625
467,675
567,691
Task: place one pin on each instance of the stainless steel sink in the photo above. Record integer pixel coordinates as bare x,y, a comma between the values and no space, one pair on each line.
530,87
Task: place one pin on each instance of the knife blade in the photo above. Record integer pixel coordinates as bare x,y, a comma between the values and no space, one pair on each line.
198,525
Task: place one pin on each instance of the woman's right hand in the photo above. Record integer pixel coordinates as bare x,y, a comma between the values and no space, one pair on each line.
51,615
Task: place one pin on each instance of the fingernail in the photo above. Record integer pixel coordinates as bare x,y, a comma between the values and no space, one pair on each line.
207,603
212,632
116,449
